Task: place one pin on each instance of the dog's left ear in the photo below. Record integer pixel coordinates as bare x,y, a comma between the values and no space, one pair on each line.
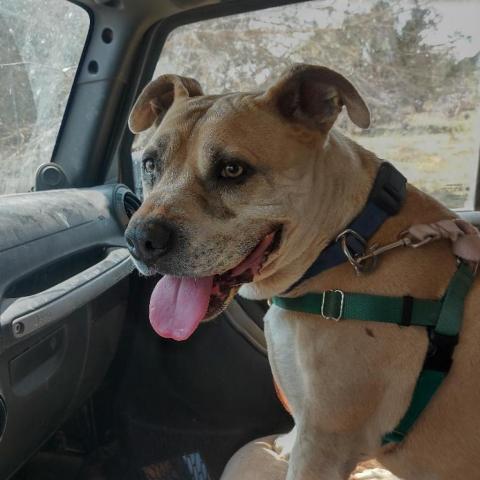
157,97
315,95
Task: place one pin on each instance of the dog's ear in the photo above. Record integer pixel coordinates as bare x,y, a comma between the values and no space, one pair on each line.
315,96
157,97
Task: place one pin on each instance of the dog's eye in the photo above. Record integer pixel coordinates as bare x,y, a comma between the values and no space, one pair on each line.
232,170
148,165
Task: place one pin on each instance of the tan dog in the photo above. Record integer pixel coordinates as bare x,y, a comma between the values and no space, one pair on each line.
248,189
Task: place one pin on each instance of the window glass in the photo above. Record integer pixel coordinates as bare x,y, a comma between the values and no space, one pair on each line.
416,62
41,42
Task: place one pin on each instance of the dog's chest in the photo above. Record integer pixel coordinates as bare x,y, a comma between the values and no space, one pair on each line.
280,333
315,362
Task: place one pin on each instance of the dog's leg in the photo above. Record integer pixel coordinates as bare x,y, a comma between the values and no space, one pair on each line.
318,455
283,444
256,461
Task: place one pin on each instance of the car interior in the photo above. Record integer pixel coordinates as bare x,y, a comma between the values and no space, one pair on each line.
87,389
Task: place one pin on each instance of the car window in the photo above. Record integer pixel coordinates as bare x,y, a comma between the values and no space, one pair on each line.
417,63
41,43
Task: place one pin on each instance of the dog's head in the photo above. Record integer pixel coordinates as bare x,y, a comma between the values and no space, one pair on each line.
227,181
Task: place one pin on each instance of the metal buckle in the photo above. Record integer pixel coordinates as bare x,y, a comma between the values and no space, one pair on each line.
342,301
360,264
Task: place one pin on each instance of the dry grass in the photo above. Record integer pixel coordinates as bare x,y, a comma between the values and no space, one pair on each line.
436,153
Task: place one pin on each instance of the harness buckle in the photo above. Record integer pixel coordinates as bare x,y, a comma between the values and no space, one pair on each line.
337,317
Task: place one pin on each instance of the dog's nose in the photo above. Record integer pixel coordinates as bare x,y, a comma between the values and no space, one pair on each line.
148,241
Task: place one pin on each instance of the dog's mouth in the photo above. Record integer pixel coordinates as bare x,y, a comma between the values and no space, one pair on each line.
179,304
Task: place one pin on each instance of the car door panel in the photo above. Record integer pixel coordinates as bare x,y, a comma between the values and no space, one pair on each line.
63,298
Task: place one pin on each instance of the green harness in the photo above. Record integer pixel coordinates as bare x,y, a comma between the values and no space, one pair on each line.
443,318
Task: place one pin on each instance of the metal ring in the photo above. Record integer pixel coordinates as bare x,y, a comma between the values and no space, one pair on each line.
346,250
359,266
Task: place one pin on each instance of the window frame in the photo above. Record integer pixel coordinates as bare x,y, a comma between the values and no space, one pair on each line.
81,61
151,49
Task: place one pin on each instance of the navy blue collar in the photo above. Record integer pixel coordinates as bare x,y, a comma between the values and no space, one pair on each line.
385,200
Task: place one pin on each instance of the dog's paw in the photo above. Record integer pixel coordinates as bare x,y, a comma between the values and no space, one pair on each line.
374,474
283,445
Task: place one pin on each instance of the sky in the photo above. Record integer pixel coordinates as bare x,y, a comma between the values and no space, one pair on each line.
456,16
463,16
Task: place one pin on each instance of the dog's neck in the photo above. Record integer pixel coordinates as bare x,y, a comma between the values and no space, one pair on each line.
342,175
342,194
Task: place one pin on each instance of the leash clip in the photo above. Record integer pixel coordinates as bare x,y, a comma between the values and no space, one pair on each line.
360,261
337,317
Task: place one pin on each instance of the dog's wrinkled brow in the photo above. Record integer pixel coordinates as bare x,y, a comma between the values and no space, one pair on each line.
160,146
210,151
217,154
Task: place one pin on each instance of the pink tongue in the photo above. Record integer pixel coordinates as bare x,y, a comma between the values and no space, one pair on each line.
178,305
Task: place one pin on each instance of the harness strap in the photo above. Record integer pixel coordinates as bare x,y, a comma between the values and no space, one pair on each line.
427,385
444,337
337,305
443,317
451,316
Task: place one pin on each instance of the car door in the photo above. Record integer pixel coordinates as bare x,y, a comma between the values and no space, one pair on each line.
64,273
63,264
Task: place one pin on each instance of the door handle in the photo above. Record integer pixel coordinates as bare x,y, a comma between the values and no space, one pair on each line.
26,315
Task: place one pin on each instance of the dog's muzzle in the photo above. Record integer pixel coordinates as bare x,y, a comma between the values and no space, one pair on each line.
147,241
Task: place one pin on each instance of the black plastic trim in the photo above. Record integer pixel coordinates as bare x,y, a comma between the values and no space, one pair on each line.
242,322
3,417
68,106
